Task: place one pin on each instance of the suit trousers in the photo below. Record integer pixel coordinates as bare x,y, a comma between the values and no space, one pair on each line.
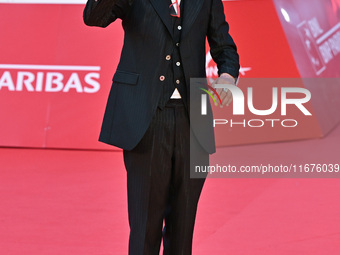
162,198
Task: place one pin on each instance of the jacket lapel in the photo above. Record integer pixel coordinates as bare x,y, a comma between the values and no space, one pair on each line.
162,8
190,12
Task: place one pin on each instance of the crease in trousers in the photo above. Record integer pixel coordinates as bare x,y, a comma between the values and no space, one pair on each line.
162,198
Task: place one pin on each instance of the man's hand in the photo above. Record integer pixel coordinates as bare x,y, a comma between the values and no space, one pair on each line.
225,95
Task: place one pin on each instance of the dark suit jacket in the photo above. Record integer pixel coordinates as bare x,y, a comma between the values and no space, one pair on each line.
136,87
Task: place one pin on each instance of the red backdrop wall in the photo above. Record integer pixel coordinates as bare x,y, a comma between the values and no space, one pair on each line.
55,73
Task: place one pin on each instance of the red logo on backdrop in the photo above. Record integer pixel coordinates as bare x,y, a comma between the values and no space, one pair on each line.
50,78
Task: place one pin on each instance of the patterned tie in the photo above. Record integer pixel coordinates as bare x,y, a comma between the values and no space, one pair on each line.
175,9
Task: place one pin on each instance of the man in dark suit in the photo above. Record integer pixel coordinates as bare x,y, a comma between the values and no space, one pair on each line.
148,110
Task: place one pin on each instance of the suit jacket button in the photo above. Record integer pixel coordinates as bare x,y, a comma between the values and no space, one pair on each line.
168,57
162,78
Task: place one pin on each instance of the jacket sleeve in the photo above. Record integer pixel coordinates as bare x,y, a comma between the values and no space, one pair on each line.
102,13
222,47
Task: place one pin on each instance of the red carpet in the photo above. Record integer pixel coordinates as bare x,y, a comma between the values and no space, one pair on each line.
57,202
